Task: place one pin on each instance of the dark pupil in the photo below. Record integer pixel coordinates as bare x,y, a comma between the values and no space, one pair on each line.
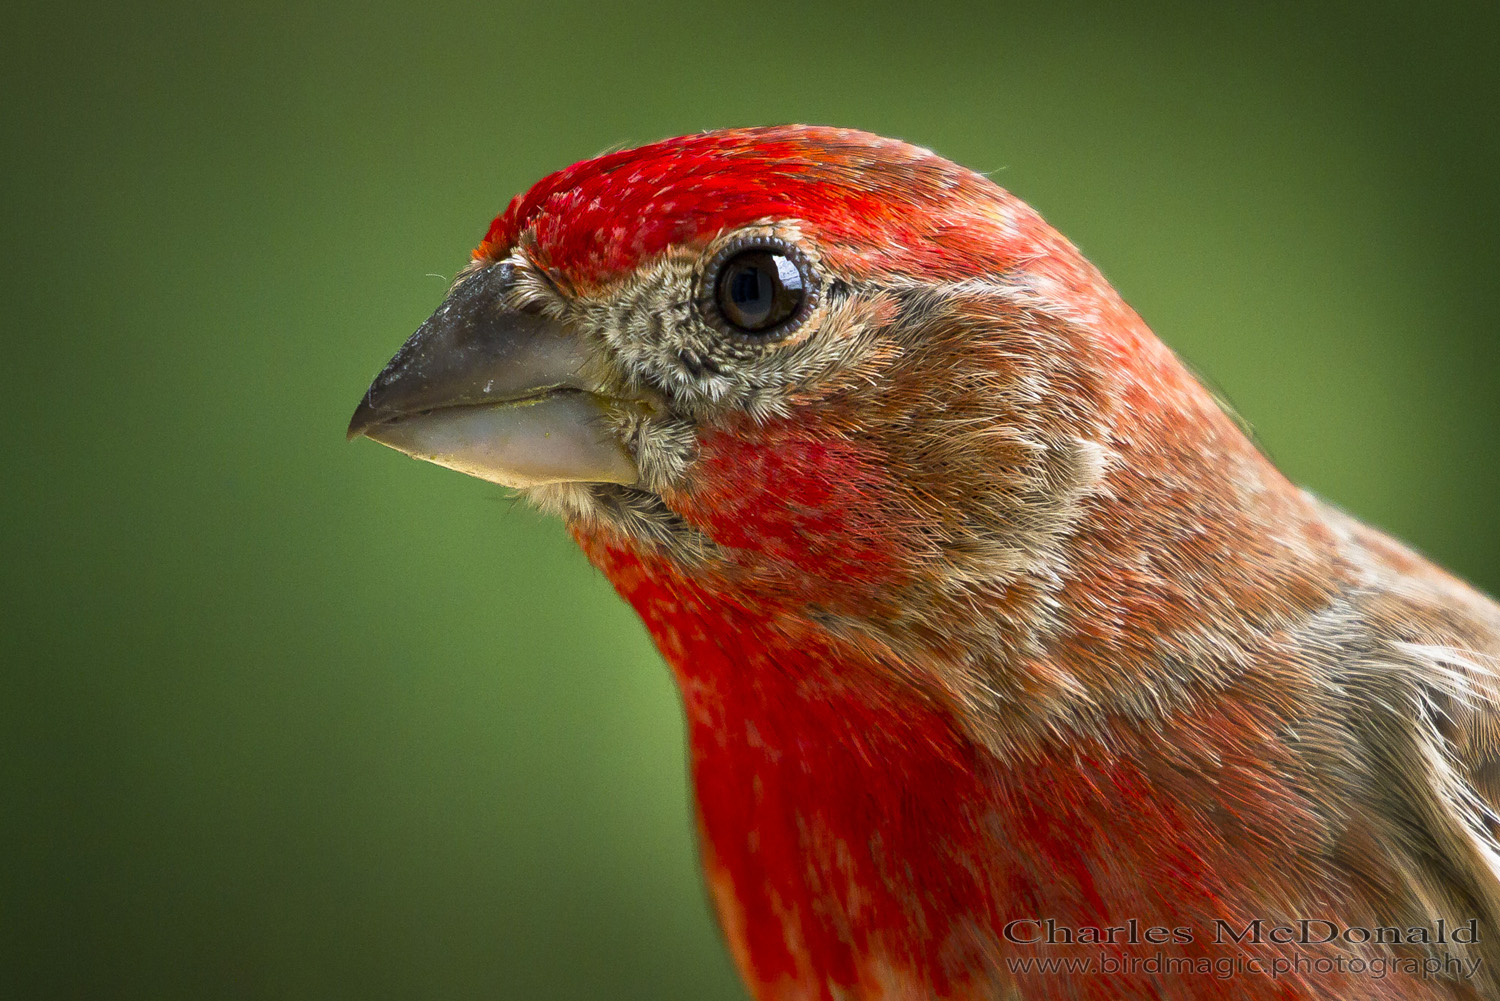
758,290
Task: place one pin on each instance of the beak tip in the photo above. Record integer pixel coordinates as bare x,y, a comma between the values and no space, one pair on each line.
364,418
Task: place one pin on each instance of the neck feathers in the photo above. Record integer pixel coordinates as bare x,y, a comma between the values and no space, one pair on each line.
860,842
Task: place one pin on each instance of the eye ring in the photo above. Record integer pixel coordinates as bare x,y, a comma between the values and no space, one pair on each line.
758,288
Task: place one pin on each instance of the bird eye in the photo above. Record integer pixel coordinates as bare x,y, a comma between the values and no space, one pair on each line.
761,288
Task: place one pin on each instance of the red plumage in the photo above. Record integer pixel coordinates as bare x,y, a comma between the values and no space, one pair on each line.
985,614
892,207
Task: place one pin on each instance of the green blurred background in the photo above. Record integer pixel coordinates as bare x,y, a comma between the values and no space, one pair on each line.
282,717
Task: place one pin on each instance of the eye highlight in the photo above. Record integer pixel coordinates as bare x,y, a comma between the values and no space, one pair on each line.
760,287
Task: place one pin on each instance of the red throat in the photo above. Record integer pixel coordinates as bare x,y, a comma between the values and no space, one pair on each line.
859,844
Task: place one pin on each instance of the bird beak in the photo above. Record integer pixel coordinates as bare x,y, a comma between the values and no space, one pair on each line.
496,393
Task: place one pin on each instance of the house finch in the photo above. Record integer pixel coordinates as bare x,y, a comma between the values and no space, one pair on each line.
1011,668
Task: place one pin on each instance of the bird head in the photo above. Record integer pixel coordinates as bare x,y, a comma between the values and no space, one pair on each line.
835,375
